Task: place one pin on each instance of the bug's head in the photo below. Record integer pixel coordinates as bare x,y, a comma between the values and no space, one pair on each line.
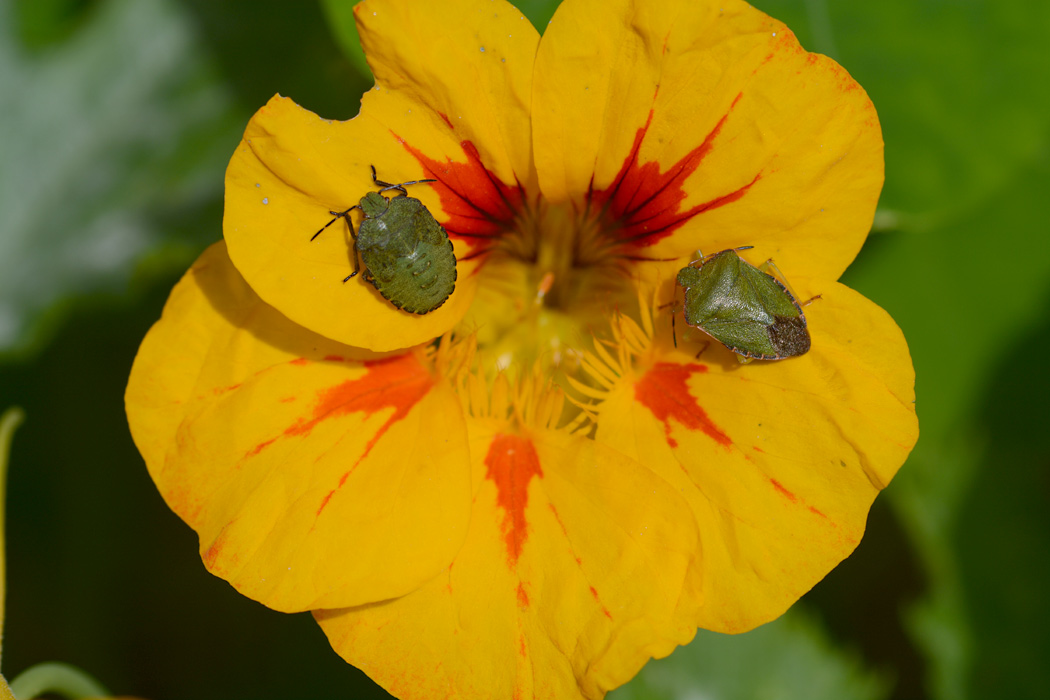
688,277
373,204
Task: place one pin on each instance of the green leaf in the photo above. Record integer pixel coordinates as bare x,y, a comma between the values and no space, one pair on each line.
340,16
56,679
122,121
959,88
789,659
539,12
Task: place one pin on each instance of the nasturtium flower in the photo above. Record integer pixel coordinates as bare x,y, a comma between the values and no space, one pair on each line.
531,490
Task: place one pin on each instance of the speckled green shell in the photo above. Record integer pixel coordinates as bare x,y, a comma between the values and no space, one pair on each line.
745,309
408,254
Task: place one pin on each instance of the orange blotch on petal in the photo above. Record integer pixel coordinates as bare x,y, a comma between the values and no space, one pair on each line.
398,382
665,392
512,462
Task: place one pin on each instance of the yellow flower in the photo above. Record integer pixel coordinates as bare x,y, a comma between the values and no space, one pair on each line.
551,493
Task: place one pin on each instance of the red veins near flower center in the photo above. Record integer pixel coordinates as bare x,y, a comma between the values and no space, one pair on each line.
664,390
641,205
478,205
512,462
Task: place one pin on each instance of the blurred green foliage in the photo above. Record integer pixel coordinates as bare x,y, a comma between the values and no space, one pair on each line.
119,117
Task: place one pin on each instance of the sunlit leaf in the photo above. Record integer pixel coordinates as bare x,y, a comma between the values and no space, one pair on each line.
340,16
789,659
121,120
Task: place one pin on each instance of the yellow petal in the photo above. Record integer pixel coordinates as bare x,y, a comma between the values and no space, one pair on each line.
703,124
442,108
570,579
779,461
297,459
467,65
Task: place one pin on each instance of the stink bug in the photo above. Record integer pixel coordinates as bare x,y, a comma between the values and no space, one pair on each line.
746,309
406,253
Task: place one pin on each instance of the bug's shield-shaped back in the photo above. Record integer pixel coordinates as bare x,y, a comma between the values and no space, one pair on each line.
409,256
743,308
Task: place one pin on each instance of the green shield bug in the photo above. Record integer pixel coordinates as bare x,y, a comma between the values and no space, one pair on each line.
406,253
748,310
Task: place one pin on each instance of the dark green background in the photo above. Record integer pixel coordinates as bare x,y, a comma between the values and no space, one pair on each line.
945,597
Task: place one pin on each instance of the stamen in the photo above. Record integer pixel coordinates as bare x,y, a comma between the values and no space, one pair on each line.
531,400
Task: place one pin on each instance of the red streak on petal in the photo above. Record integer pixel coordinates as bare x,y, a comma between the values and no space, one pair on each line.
554,512
795,499
287,399
642,204
299,361
756,448
664,390
328,496
260,447
512,462
223,390
447,120
523,597
605,610
211,556
478,206
783,491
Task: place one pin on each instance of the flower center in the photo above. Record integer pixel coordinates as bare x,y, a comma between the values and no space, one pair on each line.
547,287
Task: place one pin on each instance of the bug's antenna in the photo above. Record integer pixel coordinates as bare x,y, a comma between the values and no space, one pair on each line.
384,186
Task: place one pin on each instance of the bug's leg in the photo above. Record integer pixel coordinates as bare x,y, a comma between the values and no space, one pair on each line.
375,179
707,344
699,258
353,235
336,215
810,300
743,360
674,313
770,268
357,264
